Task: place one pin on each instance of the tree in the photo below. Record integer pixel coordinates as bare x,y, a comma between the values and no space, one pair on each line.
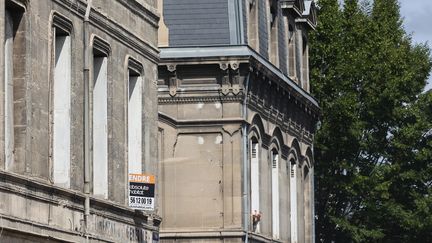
368,77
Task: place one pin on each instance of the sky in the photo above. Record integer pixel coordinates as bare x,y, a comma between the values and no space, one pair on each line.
417,16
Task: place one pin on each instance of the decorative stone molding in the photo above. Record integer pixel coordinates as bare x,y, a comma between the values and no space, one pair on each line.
202,99
236,81
135,65
224,66
20,3
101,45
113,29
225,81
61,22
172,67
234,65
172,80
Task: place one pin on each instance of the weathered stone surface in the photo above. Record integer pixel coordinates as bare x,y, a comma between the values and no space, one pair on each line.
31,207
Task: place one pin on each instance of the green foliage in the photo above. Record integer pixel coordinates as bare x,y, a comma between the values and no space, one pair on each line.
373,156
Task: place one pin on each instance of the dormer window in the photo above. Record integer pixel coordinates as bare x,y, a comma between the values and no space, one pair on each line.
291,52
273,30
252,27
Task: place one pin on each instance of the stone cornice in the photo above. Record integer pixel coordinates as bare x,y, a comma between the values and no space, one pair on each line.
237,54
197,99
113,29
142,9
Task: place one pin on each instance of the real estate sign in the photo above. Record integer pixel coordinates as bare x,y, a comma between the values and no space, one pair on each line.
141,191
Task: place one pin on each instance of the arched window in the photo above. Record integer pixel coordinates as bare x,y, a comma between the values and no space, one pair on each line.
275,193
255,189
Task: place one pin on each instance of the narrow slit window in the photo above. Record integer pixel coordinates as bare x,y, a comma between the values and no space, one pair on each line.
100,125
61,108
134,122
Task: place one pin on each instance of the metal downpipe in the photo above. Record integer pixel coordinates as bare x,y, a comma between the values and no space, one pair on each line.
86,116
245,163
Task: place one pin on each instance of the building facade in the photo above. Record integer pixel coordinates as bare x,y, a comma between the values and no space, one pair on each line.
78,113
236,121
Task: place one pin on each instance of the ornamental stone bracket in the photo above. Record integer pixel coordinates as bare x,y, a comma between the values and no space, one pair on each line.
225,78
230,77
173,81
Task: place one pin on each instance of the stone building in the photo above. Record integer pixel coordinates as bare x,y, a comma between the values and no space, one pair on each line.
236,121
78,113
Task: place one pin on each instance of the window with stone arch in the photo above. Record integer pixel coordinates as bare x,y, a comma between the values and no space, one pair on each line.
255,182
275,168
307,190
293,190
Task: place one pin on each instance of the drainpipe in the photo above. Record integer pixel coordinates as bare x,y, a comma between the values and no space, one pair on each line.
245,163
86,117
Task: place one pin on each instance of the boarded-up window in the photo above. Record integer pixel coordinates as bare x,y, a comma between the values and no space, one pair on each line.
100,124
255,179
134,122
275,194
9,98
61,108
293,200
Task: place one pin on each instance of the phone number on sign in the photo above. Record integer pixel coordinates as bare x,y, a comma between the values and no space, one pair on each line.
141,202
